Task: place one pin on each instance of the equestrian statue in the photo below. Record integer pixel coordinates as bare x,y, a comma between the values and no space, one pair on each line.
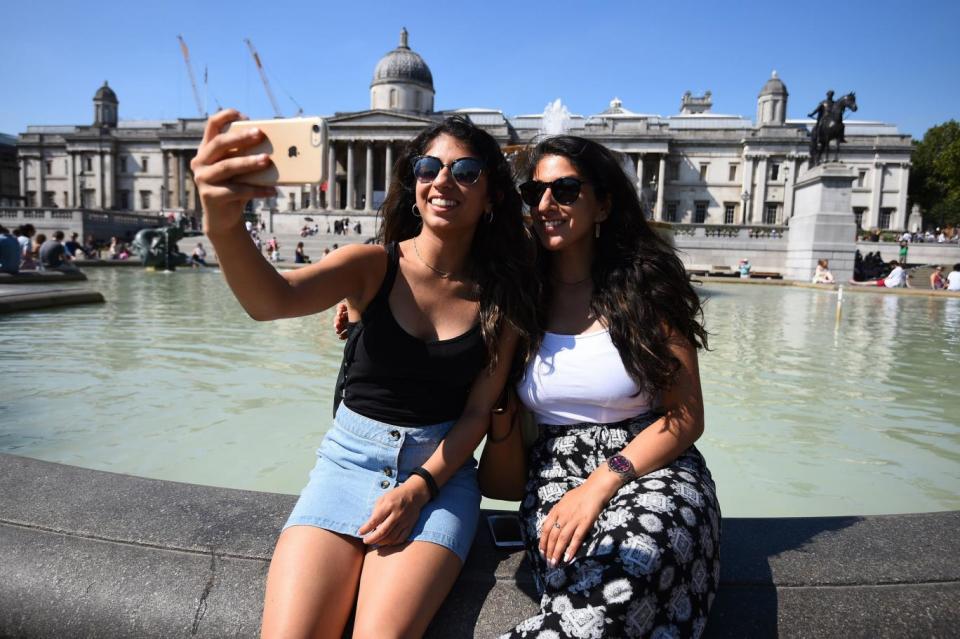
829,126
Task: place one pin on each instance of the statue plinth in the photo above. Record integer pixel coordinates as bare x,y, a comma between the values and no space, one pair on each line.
822,226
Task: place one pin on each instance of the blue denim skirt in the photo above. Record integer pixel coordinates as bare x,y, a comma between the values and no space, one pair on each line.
361,459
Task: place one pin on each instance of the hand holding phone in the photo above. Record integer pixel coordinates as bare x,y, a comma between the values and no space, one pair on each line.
297,148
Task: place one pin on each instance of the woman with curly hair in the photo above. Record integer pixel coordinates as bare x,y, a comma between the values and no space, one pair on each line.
618,509
389,513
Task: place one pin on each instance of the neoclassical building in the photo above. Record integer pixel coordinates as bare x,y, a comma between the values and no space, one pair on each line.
694,167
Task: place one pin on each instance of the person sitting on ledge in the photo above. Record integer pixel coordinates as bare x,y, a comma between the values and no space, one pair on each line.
199,256
9,252
391,507
937,281
953,279
53,255
299,257
896,279
822,275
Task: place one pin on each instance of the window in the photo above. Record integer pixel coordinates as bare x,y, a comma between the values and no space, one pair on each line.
673,171
770,214
144,198
125,200
729,210
87,198
418,101
87,163
861,178
66,200
671,215
733,173
700,212
49,165
703,172
393,98
858,212
144,162
774,172
122,164
885,215
31,199
48,197
304,200
66,167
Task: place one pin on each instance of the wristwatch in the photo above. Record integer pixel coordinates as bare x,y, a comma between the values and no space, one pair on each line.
623,467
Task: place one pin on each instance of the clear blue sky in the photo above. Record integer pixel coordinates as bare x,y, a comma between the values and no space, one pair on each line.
902,58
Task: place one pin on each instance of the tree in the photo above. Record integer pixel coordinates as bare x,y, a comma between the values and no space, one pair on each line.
935,176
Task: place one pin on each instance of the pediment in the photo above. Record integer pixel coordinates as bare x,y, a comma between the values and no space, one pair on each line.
379,117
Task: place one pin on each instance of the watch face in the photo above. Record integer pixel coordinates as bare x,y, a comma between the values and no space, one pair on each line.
620,465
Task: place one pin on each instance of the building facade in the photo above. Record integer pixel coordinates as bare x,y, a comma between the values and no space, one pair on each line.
694,167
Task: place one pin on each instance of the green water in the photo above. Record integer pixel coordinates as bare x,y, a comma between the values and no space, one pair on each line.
170,379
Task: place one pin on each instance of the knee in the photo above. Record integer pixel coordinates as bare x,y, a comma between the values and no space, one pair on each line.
377,626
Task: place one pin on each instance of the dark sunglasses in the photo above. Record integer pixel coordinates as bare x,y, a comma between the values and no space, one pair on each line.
565,191
426,168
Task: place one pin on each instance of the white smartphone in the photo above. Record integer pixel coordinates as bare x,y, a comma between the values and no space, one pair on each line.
297,148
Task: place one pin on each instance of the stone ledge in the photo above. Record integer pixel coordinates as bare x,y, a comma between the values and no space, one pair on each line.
89,553
12,301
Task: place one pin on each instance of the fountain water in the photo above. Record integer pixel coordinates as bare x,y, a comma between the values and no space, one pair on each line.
556,118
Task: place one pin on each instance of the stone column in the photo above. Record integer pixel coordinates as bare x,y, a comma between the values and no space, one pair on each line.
661,178
24,169
876,196
73,179
165,188
181,180
389,166
640,176
760,202
108,181
748,165
351,185
368,180
41,178
901,216
332,177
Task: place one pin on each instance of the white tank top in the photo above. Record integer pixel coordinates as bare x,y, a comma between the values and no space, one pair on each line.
580,378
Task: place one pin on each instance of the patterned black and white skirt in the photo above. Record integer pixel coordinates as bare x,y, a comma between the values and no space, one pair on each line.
651,565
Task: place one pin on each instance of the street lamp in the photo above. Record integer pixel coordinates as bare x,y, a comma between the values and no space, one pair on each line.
744,197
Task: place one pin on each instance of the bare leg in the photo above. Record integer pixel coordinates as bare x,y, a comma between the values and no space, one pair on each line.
312,583
402,587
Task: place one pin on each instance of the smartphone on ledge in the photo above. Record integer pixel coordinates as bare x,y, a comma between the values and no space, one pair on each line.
505,531
297,148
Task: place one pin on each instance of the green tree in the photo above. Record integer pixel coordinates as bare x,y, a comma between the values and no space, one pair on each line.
935,176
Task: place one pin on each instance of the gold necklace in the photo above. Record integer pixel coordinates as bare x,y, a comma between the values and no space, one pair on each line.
443,274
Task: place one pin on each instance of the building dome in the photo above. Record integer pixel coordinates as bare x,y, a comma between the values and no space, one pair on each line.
105,94
403,65
774,86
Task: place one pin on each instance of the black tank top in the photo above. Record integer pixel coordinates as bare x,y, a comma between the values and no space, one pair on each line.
399,379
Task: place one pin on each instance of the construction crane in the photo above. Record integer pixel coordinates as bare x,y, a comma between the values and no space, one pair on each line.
193,80
266,83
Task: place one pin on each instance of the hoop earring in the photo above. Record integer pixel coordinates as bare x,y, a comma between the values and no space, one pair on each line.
415,210
489,216
596,232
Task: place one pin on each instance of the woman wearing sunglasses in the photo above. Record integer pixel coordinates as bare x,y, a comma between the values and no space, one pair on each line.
390,510
618,509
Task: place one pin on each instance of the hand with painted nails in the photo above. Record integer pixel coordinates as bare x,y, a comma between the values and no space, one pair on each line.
569,522
219,167
341,322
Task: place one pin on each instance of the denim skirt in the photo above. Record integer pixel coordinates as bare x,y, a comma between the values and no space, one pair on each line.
361,459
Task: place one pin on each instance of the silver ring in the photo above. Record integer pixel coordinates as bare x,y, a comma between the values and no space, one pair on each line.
557,525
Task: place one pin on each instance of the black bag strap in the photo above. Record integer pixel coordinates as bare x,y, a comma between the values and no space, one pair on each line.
355,329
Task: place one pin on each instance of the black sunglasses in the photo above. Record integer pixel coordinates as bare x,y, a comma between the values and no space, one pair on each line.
426,168
565,191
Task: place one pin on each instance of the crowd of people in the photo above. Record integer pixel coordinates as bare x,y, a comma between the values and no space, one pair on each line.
25,249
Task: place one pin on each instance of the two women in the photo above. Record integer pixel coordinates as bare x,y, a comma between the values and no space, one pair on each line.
390,510
619,512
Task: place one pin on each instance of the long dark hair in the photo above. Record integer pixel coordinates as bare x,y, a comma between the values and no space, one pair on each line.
640,287
502,257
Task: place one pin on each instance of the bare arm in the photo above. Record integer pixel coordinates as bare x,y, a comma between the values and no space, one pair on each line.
654,447
219,168
396,512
